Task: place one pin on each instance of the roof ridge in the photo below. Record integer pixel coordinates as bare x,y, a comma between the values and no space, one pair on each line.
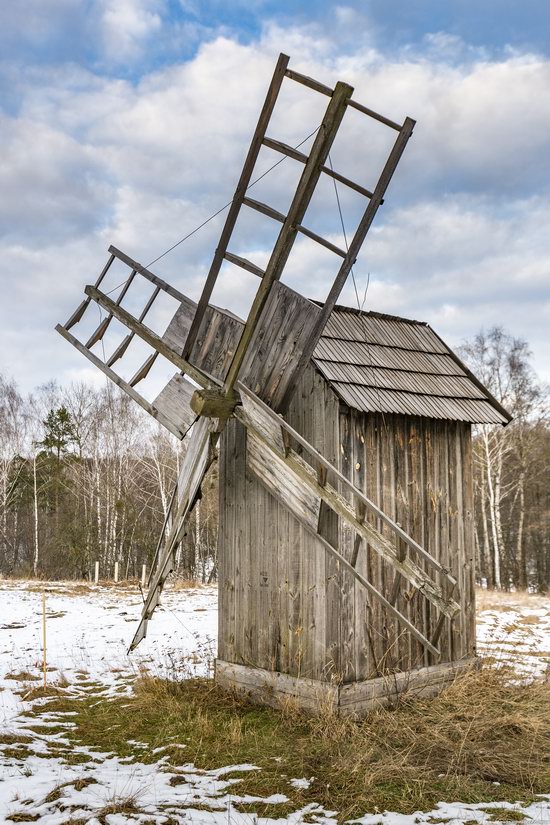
371,313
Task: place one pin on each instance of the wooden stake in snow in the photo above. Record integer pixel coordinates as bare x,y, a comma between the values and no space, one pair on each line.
116,572
96,576
143,571
44,632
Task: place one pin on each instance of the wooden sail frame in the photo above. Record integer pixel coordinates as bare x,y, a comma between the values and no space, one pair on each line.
264,367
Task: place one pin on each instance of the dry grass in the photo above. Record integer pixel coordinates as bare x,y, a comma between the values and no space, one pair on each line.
481,730
22,676
41,692
118,805
501,600
184,584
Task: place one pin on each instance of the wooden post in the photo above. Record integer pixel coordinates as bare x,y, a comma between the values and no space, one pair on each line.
96,575
116,572
143,572
44,633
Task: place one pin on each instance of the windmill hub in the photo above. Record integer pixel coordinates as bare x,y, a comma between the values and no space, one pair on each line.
214,402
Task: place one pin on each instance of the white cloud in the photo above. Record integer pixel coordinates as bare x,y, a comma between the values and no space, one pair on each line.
89,159
127,25
51,185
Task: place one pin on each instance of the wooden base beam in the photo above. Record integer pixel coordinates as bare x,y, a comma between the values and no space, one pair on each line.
355,699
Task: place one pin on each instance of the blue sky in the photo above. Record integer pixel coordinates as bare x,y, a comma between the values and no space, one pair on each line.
126,122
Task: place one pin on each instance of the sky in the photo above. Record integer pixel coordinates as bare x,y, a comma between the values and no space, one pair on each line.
127,122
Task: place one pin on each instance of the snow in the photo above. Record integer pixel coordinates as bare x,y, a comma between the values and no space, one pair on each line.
514,629
457,813
88,631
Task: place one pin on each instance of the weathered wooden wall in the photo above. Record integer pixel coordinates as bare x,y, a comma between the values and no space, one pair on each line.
284,604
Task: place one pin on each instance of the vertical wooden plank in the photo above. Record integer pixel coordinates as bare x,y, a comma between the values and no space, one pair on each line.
389,505
283,528
361,601
375,562
444,535
297,546
467,598
405,645
224,564
460,620
346,581
242,488
417,492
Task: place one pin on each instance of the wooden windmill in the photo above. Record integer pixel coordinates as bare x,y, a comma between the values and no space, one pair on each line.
323,589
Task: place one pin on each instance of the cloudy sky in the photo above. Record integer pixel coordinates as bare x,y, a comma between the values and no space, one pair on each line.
127,121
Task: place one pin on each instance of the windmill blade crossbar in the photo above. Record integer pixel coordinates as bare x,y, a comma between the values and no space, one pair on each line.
198,458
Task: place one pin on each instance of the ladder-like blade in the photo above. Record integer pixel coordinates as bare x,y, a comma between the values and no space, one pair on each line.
299,487
198,458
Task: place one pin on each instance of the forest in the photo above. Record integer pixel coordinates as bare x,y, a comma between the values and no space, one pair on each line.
86,477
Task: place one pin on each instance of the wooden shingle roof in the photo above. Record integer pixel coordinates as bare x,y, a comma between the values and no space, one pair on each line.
382,363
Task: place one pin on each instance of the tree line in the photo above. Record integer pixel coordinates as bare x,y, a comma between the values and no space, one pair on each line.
512,467
86,476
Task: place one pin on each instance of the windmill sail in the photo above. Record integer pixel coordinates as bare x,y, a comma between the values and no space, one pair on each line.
250,369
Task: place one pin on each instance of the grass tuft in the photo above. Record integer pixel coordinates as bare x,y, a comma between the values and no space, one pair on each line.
482,729
22,676
506,815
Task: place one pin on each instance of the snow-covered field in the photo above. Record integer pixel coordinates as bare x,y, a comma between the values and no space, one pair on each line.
88,631
514,628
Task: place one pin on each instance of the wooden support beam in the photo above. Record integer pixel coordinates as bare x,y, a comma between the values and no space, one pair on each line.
81,309
270,428
310,82
258,206
285,149
116,379
354,247
98,334
289,151
292,466
144,370
322,241
77,314
353,104
376,540
358,494
213,403
150,276
125,343
244,263
360,513
347,182
197,460
120,350
283,246
441,621
306,508
244,181
321,474
150,337
396,586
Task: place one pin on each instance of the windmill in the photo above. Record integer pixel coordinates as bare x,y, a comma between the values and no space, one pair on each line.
236,381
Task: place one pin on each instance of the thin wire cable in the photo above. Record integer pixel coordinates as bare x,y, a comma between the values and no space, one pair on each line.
219,211
223,208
